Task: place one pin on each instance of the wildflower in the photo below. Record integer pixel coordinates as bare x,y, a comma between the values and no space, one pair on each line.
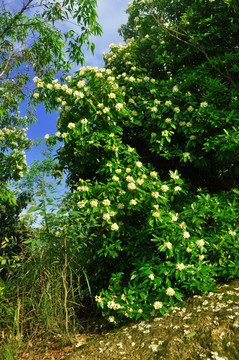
106,202
153,135
186,154
84,121
130,149
189,250
138,164
133,202
181,123
151,276
164,188
156,214
129,178
180,266
177,188
81,83
168,120
57,133
200,243
154,109
186,235
119,106
64,135
128,170
114,227
170,291
175,89
71,125
153,174
176,110
158,305
168,103
36,95
140,181
204,104
189,124
112,319
168,245
120,206
106,110
111,135
47,136
232,233
165,133
118,171
183,225
201,257
190,108
155,194
106,216
115,178
174,217
131,186
49,86
94,203
79,94
112,96
192,137
140,311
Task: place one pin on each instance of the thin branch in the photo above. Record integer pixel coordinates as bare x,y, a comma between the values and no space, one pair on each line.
7,63
16,17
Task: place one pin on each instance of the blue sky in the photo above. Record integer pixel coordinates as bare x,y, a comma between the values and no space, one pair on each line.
111,16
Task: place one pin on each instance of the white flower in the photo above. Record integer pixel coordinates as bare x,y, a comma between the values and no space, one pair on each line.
140,181
190,108
81,83
106,110
129,178
128,170
158,305
106,202
200,243
168,103
164,188
115,178
156,214
112,96
36,95
71,125
111,319
201,257
47,136
114,227
120,206
131,186
151,276
84,121
57,133
49,86
94,203
133,202
232,233
183,225
180,266
186,235
119,106
155,194
154,109
106,216
174,217
153,135
153,174
138,164
168,245
175,89
176,110
165,133
177,188
170,291
204,104
186,154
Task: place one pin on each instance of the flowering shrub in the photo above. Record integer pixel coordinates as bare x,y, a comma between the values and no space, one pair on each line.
138,146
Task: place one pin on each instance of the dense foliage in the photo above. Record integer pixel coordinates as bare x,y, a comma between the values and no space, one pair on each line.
151,153
149,145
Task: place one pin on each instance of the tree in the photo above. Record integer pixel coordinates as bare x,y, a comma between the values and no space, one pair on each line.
33,41
141,137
